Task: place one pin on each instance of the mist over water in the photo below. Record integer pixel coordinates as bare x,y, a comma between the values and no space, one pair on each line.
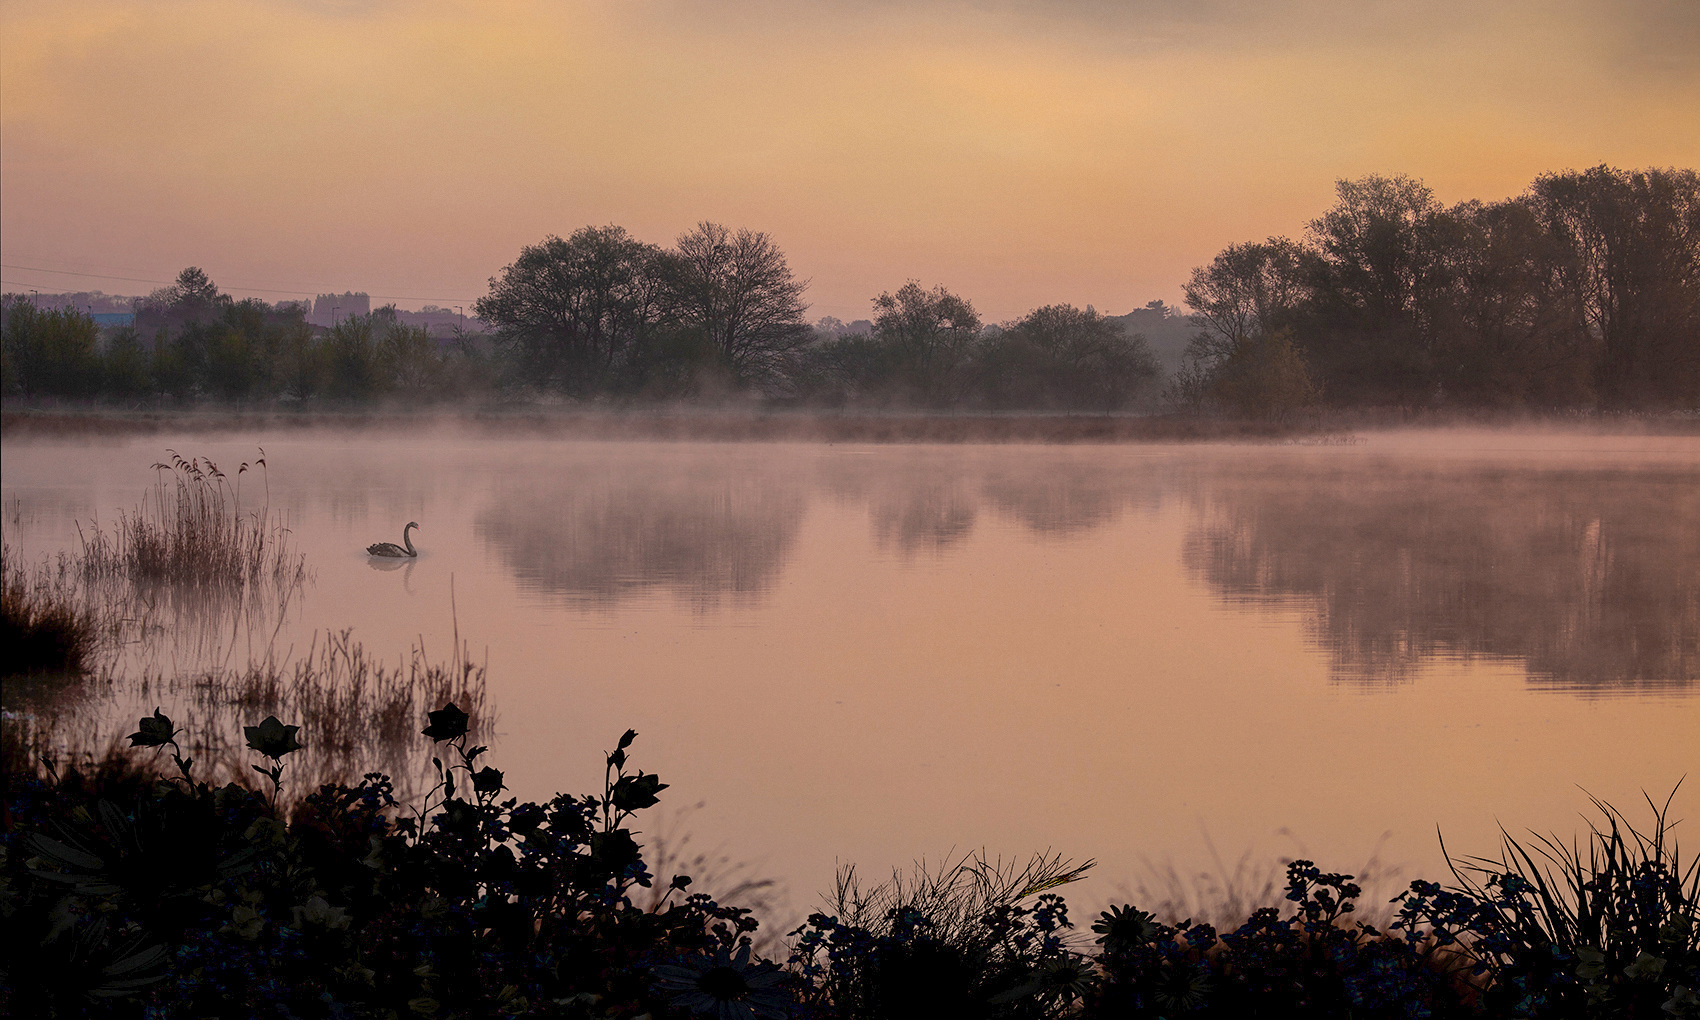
870,653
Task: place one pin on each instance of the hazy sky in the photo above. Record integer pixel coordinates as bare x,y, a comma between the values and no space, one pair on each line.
1019,153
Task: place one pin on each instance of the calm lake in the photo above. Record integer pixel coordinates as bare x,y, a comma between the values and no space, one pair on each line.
1141,654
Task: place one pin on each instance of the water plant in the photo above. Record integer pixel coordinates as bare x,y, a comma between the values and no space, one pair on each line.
1602,928
191,531
42,626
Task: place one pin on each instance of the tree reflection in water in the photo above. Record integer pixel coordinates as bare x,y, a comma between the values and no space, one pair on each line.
605,533
1589,578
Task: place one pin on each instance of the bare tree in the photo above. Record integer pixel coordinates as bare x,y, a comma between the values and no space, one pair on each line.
736,288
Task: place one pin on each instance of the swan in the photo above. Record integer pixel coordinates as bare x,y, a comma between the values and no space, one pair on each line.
391,549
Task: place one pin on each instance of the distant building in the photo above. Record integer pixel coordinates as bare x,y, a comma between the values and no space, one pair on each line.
329,309
104,319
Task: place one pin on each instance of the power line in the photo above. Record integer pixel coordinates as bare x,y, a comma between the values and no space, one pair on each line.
260,290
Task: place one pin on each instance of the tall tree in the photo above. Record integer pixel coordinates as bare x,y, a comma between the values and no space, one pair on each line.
1246,290
1504,332
571,311
193,297
1377,267
1060,356
736,289
1631,264
930,335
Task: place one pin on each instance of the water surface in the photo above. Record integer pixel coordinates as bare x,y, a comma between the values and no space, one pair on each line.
1134,653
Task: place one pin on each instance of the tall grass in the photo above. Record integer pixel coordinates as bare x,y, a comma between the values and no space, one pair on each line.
357,708
191,531
358,714
1619,902
954,895
43,627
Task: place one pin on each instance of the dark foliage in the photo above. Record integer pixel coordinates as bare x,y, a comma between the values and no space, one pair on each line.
139,896
127,895
190,341
41,628
1582,292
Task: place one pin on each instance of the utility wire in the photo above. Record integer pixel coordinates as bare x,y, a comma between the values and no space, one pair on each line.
258,290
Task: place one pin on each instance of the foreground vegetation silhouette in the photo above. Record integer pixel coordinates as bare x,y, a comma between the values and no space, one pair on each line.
130,893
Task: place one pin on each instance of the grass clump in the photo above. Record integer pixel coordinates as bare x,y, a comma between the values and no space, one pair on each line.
43,629
190,531
1602,928
971,937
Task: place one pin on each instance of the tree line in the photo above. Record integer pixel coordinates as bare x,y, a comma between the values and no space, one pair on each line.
191,341
602,312
1583,292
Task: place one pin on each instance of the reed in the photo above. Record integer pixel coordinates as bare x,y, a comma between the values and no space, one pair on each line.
191,531
360,713
43,628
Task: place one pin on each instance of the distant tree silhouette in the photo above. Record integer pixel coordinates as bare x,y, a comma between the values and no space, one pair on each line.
49,351
1060,356
571,312
929,335
736,291
192,298
1246,290
1583,291
1630,262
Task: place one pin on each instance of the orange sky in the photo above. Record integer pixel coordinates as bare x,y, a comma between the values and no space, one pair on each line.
1018,153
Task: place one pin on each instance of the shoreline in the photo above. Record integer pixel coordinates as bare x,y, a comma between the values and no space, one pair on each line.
709,424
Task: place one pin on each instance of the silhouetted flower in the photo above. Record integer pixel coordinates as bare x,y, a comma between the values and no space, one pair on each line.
634,793
1185,987
1125,927
272,738
447,723
153,732
487,780
1067,977
726,986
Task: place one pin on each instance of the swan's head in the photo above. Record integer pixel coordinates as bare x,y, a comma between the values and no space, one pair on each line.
411,524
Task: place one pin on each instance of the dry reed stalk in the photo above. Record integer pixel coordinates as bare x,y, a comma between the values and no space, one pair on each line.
191,531
44,625
357,714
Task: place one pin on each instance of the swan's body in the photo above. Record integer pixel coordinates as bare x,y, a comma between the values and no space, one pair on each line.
391,549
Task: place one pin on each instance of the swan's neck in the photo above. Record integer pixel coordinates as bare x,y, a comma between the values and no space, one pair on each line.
407,540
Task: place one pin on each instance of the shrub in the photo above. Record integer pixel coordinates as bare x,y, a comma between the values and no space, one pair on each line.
173,898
